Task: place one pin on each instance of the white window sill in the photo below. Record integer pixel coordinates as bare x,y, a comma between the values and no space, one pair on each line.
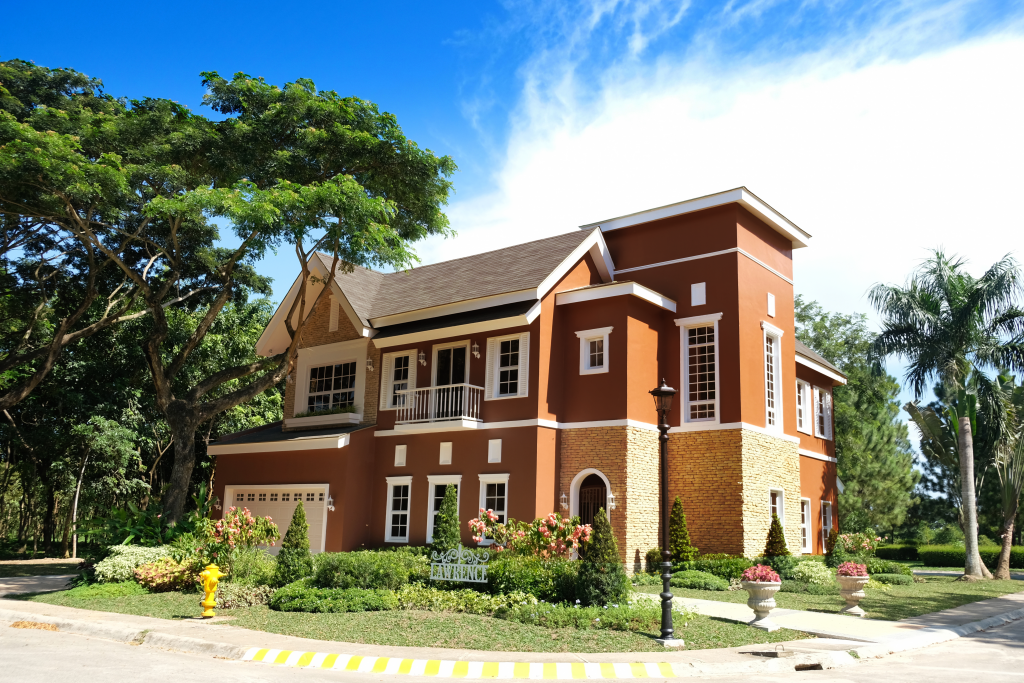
504,398
593,371
324,420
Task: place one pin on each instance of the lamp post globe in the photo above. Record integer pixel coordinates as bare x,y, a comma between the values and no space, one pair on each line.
663,404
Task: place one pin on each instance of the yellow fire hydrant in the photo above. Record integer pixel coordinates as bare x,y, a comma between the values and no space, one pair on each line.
210,577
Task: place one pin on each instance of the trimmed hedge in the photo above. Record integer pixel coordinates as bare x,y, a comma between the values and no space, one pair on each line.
553,580
791,586
369,570
878,566
893,579
722,567
301,597
700,581
955,556
897,552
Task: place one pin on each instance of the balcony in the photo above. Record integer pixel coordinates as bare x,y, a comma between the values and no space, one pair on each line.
451,405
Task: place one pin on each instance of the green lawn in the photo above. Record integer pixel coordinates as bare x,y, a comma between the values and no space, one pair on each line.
891,602
8,571
429,629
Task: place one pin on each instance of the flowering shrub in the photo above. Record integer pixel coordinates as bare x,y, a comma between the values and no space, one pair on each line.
164,575
545,537
232,595
852,569
123,559
760,573
859,544
218,540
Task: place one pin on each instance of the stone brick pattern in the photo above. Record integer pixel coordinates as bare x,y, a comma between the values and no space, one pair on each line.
628,457
371,400
705,469
769,462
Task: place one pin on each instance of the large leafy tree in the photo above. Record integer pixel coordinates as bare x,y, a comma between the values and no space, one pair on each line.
947,324
875,459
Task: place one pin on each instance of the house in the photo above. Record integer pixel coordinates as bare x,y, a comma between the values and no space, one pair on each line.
522,376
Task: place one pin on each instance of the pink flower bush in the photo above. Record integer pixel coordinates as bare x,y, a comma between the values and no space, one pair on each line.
241,529
859,544
852,569
550,536
761,574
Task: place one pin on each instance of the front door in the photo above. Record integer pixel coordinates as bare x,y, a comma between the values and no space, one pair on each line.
593,497
449,380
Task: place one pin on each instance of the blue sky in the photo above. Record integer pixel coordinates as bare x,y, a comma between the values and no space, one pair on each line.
882,128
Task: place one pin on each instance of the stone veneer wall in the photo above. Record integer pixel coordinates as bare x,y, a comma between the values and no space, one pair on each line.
705,469
317,332
769,462
628,458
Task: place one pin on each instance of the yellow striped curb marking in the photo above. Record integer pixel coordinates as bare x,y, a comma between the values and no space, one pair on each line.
445,668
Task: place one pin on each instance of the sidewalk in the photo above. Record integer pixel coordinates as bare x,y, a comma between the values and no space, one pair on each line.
864,637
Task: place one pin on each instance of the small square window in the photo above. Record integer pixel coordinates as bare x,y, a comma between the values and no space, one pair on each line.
298,497
263,497
321,497
239,497
251,497
594,350
273,497
285,497
310,497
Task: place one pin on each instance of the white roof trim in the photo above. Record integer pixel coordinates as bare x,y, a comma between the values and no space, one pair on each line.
817,456
459,330
598,249
620,289
818,367
456,307
739,195
299,443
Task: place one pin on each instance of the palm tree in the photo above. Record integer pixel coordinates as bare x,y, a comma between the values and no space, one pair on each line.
1009,465
947,324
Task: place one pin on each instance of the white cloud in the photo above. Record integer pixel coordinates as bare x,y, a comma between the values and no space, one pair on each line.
879,161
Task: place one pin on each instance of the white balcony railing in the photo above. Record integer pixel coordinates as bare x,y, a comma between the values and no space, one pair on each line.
434,404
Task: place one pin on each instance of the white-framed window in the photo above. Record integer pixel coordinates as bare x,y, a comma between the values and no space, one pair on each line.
822,413
494,494
594,351
508,362
331,386
698,362
806,530
826,522
803,406
772,353
396,523
777,504
436,485
398,374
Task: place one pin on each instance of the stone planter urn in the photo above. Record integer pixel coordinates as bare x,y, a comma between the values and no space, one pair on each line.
762,600
852,590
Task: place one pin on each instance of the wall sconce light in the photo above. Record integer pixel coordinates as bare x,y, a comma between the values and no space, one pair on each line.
217,506
611,501
369,364
330,503
476,350
564,501
423,358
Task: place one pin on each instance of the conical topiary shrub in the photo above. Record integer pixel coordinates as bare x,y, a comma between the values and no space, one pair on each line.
679,535
602,579
446,526
776,545
294,561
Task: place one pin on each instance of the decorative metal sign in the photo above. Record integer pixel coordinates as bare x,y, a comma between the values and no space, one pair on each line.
459,564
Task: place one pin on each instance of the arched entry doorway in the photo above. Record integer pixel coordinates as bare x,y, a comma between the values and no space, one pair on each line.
592,497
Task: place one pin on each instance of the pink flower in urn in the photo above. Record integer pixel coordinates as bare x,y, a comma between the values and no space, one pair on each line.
760,573
852,569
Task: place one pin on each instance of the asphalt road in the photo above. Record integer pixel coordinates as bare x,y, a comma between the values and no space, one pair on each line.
29,656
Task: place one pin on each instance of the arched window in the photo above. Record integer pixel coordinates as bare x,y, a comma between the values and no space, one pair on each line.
593,497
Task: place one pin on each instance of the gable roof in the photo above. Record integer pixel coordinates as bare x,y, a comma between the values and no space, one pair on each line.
518,268
798,237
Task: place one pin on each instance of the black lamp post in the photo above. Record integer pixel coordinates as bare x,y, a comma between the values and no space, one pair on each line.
663,403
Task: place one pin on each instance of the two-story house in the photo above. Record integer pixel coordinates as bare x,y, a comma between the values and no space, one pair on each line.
522,376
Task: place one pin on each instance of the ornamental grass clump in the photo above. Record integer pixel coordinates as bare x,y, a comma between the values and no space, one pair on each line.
121,563
852,569
814,572
165,575
760,573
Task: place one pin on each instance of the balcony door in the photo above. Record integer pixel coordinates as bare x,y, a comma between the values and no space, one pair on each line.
451,370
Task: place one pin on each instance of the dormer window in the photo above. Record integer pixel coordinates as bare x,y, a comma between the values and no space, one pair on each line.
594,350
331,387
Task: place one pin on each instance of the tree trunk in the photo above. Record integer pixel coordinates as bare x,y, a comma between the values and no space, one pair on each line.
183,431
972,564
74,507
1003,566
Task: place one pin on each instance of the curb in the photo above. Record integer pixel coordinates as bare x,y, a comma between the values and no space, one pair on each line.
437,668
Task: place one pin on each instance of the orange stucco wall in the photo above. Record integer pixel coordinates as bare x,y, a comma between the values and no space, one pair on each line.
818,483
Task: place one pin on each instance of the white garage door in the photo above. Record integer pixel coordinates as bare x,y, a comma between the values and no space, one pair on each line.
278,502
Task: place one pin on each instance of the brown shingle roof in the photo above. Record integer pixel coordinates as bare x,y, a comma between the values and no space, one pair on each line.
512,269
806,351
